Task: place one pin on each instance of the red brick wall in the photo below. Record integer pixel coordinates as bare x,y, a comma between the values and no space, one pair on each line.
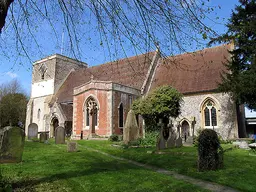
79,100
119,97
104,124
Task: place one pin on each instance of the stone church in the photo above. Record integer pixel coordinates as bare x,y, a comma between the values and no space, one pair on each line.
95,100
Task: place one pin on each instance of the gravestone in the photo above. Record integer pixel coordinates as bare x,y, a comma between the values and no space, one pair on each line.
131,129
60,135
43,137
72,146
12,145
161,143
32,131
171,142
172,136
178,142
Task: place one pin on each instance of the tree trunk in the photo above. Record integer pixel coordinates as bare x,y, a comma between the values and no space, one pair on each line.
4,5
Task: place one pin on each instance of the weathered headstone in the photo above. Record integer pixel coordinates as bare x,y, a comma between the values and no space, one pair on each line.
131,129
32,131
178,142
72,146
60,135
12,145
43,137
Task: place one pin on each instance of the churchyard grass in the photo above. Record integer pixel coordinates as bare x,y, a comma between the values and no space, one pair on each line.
49,167
239,167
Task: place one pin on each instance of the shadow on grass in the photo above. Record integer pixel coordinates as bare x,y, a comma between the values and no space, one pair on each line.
93,168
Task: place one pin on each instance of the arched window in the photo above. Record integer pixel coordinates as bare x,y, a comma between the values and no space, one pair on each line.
210,114
87,117
121,115
38,114
91,105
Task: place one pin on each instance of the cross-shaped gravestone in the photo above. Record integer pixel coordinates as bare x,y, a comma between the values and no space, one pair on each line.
161,143
172,137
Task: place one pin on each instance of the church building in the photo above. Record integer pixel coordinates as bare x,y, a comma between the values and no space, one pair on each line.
94,101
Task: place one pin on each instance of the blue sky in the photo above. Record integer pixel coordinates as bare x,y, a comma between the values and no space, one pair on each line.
17,66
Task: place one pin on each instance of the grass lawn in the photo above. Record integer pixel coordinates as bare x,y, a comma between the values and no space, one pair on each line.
48,167
239,168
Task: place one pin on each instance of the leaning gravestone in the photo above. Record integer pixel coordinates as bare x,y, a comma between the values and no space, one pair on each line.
72,146
131,129
60,135
32,131
12,145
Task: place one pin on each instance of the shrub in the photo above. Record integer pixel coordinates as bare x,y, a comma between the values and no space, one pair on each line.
5,186
150,138
210,153
113,138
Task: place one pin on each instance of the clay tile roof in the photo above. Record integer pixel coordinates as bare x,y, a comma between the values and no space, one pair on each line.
129,71
193,72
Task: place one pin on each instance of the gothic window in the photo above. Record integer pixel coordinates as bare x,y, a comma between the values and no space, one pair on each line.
38,114
210,114
121,115
87,117
91,107
96,117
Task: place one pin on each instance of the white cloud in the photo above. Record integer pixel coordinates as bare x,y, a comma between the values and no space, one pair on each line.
12,75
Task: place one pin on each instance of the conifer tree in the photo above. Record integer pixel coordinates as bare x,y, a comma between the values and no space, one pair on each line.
240,78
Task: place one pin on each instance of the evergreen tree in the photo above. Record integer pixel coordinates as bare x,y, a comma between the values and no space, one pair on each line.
240,78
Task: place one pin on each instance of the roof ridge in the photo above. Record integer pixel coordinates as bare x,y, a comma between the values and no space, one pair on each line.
201,50
122,59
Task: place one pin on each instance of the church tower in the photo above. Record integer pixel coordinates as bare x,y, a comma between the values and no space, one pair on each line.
47,76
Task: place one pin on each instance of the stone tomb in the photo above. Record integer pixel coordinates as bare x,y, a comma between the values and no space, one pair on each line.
72,146
60,135
32,131
12,141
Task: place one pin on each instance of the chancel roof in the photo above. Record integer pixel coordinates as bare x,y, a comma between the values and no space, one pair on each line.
195,72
